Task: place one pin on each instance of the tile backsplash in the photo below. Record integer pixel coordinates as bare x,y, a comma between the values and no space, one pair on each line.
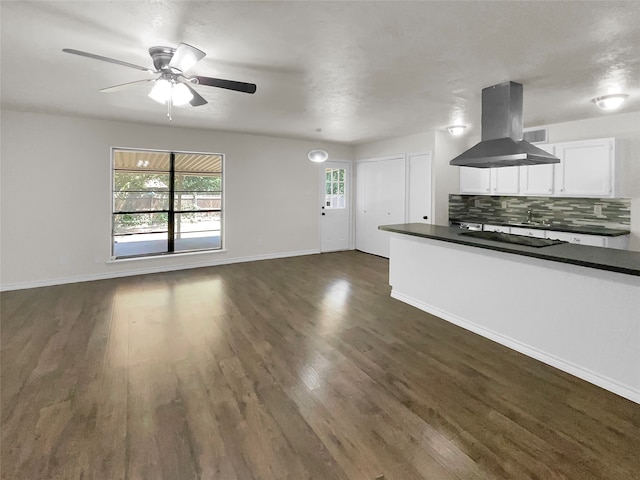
559,211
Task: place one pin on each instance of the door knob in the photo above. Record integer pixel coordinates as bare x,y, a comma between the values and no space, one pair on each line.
426,217
323,213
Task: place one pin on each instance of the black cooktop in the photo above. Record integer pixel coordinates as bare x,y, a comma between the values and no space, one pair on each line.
510,238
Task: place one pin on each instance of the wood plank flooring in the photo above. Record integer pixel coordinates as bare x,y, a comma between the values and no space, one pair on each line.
298,368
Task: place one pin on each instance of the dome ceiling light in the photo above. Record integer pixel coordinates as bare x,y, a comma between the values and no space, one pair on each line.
610,102
318,156
456,130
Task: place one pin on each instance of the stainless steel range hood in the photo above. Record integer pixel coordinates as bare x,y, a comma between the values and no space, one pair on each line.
502,144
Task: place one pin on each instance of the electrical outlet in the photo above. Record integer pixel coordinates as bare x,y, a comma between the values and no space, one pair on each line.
476,203
504,204
597,209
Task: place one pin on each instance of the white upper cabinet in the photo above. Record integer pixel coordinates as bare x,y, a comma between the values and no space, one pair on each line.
586,168
475,180
505,181
538,179
490,181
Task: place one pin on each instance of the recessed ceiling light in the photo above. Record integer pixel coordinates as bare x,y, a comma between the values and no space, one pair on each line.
610,102
318,156
456,130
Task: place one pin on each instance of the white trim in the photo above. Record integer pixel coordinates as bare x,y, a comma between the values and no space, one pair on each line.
380,159
576,370
115,261
155,269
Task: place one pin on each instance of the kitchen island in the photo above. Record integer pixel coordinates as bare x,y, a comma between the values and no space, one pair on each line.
574,307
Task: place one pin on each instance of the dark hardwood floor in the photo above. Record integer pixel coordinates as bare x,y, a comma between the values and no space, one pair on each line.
298,368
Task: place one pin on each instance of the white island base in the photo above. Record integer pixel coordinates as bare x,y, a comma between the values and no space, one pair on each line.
582,320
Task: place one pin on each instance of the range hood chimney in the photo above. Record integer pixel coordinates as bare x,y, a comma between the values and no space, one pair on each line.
502,144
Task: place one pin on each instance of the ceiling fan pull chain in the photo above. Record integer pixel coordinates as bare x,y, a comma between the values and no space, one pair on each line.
169,103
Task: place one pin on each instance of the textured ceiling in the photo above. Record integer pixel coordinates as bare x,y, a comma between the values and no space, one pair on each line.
358,71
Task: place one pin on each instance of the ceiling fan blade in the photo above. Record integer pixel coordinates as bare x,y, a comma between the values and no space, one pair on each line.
123,86
185,57
228,84
107,59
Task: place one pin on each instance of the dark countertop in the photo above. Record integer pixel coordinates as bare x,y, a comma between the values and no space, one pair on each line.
614,260
587,229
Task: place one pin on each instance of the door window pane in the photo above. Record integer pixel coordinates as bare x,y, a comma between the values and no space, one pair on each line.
334,187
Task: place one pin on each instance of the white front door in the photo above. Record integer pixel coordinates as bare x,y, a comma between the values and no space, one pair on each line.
334,211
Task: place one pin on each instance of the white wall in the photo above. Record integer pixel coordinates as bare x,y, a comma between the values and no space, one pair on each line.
445,179
56,201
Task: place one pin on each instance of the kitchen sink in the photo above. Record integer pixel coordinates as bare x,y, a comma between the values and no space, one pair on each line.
513,239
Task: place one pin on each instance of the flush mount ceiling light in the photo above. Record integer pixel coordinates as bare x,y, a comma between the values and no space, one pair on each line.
610,102
456,130
318,156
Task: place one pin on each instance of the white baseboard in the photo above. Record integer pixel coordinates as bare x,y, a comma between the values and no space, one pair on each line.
559,363
154,269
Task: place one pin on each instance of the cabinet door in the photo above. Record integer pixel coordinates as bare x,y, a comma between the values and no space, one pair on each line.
578,238
538,179
529,232
475,180
505,181
586,168
496,228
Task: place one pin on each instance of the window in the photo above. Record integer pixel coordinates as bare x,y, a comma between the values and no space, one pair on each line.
165,202
334,187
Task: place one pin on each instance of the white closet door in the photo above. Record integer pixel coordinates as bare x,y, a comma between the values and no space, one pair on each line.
419,183
382,193
363,173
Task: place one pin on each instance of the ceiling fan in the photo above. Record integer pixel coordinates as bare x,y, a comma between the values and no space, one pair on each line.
172,87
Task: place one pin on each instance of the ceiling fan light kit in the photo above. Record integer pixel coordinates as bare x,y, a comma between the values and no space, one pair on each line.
172,87
165,91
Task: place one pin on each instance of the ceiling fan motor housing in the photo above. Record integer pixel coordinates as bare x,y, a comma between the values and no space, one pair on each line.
161,57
